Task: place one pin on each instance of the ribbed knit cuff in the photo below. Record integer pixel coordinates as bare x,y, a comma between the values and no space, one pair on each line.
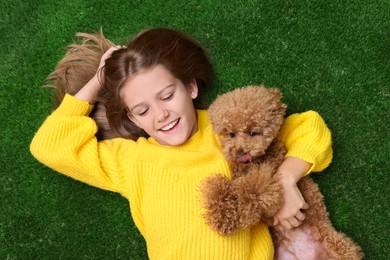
307,137
72,106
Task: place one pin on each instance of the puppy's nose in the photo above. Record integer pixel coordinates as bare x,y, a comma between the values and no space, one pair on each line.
240,152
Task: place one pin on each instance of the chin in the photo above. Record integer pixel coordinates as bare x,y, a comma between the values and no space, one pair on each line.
175,142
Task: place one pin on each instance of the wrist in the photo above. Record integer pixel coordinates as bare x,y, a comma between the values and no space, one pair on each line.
293,169
90,91
95,81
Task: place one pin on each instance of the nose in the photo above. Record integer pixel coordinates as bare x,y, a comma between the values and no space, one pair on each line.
161,114
240,152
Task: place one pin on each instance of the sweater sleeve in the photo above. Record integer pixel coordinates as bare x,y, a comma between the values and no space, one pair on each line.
307,137
66,142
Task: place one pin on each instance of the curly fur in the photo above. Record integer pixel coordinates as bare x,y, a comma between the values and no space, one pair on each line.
248,137
248,121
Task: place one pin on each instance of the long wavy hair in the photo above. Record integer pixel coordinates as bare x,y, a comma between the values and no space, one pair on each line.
179,53
75,69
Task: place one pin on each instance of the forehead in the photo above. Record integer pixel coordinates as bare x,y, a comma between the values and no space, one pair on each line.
242,124
146,83
153,76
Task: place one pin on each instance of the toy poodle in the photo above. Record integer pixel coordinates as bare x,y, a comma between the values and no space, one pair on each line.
248,121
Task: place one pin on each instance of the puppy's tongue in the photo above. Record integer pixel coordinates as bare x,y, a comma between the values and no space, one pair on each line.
245,158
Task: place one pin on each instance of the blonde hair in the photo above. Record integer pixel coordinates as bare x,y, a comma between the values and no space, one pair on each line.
78,66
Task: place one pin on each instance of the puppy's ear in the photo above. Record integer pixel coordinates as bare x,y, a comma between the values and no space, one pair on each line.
275,92
277,104
216,121
216,115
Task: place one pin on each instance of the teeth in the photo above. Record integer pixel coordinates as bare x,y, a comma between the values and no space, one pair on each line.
170,126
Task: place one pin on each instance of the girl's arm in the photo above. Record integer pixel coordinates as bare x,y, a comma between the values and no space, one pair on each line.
66,141
309,148
90,91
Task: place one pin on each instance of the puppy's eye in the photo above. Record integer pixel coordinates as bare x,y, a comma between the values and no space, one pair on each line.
253,133
231,134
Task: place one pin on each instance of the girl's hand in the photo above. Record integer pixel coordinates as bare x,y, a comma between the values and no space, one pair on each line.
290,215
90,91
100,73
290,172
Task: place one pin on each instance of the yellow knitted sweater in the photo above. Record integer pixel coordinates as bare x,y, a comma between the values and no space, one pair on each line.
161,182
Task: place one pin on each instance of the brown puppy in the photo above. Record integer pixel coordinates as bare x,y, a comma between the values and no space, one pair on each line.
248,121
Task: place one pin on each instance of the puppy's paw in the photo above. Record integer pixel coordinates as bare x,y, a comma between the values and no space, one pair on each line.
220,204
249,191
271,199
259,197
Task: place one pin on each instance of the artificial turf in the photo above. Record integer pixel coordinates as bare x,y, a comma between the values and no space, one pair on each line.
331,56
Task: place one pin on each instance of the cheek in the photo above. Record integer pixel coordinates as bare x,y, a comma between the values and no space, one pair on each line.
186,98
260,144
187,105
143,122
228,148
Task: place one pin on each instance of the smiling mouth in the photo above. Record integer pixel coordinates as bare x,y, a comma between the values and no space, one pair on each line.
170,126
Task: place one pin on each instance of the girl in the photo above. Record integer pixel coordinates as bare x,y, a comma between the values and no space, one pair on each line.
153,89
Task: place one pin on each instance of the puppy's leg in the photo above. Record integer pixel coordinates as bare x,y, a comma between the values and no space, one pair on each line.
316,238
220,203
336,244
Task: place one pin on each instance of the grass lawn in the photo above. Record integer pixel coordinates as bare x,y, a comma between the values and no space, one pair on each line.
331,56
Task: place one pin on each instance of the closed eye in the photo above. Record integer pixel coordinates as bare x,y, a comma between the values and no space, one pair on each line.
143,112
167,97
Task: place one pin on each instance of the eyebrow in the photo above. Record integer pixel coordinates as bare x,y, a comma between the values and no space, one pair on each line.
158,93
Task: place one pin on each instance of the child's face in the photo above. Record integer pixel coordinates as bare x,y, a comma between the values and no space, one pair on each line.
161,105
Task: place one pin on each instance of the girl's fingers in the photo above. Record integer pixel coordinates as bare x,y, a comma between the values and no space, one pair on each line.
300,216
285,224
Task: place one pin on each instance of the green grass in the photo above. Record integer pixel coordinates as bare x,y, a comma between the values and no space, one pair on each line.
331,56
